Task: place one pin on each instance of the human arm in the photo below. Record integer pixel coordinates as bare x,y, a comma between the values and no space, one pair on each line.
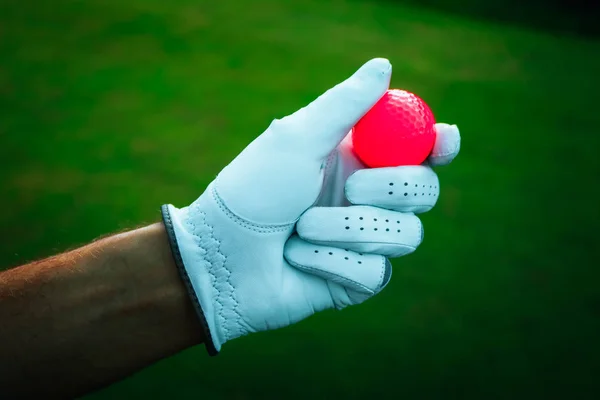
294,225
83,319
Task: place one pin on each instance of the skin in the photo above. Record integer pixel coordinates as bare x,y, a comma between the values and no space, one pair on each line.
76,322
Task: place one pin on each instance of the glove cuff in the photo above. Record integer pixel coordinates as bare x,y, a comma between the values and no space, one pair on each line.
168,222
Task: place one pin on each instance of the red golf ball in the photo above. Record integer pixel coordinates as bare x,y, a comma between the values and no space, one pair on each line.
398,130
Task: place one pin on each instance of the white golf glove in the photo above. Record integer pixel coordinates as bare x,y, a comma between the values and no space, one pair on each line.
296,224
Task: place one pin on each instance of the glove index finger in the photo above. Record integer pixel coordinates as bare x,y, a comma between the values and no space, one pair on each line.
411,188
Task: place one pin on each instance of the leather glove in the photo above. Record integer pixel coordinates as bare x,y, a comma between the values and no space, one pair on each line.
295,224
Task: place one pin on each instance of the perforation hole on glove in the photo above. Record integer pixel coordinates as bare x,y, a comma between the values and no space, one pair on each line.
375,228
424,192
348,256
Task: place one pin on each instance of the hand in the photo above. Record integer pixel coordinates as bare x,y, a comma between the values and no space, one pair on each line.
235,245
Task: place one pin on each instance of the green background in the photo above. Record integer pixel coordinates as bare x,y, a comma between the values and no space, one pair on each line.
109,109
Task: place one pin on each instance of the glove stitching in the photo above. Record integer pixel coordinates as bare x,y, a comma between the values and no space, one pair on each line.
231,295
212,267
383,262
235,309
320,272
399,206
326,174
317,241
247,224
332,156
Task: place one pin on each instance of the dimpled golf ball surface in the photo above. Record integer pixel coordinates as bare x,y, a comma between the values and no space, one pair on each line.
398,130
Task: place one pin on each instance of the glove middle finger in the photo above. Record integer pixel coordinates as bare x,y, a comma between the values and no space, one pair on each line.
363,229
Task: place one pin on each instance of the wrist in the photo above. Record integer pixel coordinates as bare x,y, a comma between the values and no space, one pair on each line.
160,290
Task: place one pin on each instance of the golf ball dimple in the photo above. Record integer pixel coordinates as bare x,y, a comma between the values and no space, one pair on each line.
398,130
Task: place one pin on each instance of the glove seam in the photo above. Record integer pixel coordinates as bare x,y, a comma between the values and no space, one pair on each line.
321,272
236,305
330,158
339,241
245,223
397,208
383,262
220,294
210,269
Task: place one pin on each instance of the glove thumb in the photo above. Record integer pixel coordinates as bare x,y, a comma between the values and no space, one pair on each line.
275,179
318,128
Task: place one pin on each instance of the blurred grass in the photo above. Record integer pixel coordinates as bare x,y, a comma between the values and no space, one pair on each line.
110,109
558,17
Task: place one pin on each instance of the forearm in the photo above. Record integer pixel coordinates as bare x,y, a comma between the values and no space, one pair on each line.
84,319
